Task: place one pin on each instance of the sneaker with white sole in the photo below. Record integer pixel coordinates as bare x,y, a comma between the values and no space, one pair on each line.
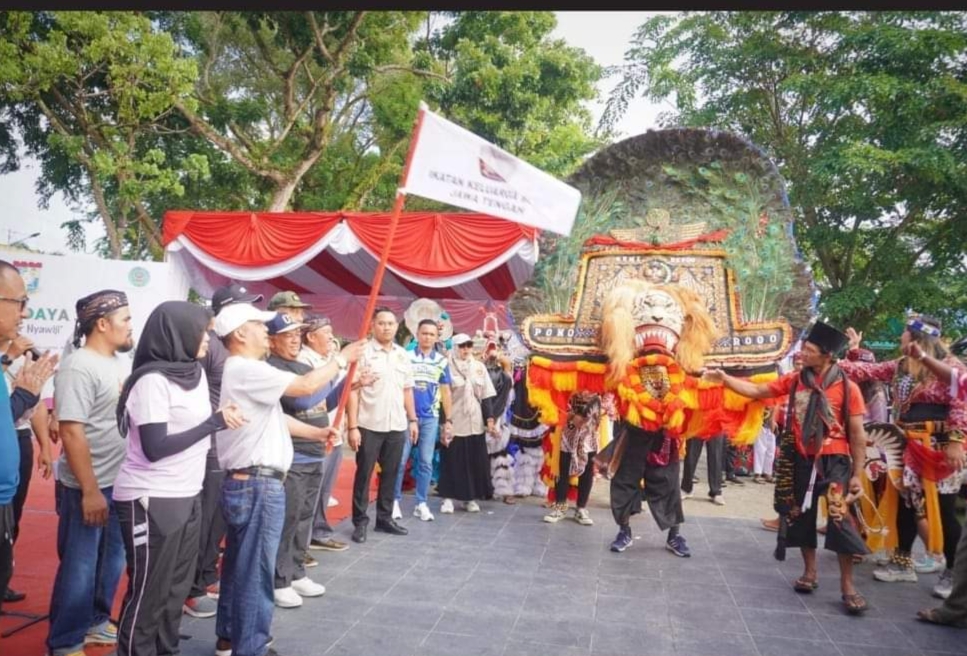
224,647
718,500
930,563
423,512
201,607
471,506
583,517
899,569
447,507
105,634
287,598
558,512
306,587
397,511
945,585
687,495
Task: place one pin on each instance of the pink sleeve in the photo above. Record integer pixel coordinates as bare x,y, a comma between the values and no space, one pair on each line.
957,417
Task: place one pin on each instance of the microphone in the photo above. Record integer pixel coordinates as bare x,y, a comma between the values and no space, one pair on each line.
34,352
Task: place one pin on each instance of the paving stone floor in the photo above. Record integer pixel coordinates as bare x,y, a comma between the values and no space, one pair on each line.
503,583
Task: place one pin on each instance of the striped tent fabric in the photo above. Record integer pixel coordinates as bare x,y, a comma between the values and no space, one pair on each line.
465,261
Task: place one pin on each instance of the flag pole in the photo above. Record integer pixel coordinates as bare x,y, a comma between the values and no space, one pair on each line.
384,258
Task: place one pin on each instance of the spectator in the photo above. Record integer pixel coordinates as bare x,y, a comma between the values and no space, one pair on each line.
465,463
204,590
256,457
165,413
305,475
89,542
431,391
25,393
381,417
34,420
289,303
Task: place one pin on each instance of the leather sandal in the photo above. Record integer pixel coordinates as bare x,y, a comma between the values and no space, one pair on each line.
805,585
855,603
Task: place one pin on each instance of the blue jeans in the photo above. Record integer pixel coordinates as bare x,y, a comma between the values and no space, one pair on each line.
254,511
429,430
91,562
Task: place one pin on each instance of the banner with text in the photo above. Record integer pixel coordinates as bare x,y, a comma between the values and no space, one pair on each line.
55,282
455,166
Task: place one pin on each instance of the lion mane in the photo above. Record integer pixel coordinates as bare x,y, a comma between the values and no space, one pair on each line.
618,327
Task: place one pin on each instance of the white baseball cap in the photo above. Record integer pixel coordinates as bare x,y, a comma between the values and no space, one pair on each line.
233,316
461,338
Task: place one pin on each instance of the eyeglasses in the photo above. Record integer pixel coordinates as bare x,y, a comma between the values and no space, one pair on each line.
22,301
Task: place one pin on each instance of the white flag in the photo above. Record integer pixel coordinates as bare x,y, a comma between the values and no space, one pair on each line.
455,166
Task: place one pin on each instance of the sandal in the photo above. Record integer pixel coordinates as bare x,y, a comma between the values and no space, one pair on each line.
805,585
933,616
510,500
855,603
770,524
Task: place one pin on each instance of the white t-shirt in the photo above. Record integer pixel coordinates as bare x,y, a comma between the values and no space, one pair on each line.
256,387
154,399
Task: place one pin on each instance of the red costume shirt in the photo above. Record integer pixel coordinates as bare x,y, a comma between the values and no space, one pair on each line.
836,442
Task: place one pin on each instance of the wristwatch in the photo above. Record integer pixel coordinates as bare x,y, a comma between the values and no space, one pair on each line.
341,361
5,360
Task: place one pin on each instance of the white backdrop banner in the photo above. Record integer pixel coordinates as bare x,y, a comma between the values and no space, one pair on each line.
55,282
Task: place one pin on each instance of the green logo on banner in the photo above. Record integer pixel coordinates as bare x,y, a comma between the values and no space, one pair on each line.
139,276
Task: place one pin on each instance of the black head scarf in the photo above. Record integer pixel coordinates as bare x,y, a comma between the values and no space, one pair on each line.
94,306
169,346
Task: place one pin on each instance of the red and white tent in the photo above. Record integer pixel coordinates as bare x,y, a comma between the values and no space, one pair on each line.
465,261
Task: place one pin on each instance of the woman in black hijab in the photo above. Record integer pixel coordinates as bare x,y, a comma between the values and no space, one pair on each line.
165,413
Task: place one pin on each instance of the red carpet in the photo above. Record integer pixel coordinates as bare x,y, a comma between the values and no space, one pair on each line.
36,561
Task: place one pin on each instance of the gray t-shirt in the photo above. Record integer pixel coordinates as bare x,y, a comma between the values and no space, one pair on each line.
86,390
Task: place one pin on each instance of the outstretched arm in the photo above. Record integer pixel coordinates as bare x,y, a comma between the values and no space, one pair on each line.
738,385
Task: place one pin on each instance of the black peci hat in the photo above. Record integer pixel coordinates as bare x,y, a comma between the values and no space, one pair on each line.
827,338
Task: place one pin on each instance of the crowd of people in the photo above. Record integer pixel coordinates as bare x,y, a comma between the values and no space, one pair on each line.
220,430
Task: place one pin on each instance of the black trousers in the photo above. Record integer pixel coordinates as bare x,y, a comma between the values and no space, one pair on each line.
301,492
585,481
6,546
714,453
26,471
661,491
386,449
212,527
842,536
161,545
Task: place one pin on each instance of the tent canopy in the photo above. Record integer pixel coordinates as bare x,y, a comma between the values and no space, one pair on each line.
465,261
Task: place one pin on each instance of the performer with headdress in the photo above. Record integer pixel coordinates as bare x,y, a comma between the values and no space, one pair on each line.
932,419
825,456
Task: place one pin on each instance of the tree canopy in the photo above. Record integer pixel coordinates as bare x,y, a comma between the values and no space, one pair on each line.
865,113
140,112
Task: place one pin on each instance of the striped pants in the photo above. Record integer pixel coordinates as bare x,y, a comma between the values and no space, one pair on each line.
161,540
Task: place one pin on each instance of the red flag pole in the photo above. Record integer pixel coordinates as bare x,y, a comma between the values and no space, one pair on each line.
381,267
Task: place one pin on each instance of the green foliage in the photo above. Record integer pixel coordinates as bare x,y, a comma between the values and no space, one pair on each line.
144,112
865,114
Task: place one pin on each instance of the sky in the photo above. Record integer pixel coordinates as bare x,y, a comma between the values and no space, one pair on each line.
603,35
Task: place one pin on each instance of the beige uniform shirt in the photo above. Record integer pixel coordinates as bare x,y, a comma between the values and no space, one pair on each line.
381,404
468,376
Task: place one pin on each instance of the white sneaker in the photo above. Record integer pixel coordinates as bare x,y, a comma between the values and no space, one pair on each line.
718,500
583,517
287,598
447,507
945,585
471,506
306,587
397,512
929,563
423,512
895,573
687,495
558,512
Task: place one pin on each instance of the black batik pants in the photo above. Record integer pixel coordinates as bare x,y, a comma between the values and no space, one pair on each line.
386,448
842,536
661,491
585,481
161,545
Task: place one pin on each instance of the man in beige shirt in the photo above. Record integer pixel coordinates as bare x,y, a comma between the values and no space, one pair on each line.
381,417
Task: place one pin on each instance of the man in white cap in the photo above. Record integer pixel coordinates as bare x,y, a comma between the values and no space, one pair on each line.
256,457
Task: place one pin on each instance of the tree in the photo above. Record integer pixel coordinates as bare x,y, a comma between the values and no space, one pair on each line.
865,113
284,110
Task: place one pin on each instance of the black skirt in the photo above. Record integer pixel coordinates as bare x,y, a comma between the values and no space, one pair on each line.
465,469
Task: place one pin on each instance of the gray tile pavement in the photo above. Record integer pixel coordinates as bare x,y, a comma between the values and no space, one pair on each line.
503,583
